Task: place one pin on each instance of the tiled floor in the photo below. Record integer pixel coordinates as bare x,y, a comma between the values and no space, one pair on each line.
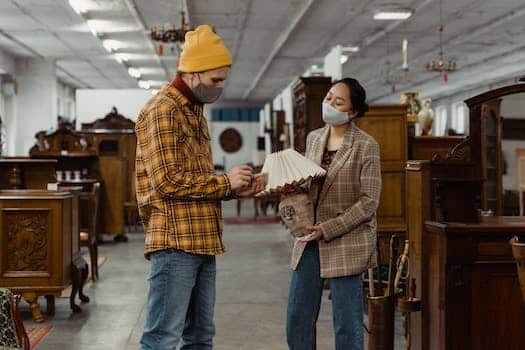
252,289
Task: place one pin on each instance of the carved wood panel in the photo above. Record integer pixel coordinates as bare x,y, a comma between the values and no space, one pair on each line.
27,239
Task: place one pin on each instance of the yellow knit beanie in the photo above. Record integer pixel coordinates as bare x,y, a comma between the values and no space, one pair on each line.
203,50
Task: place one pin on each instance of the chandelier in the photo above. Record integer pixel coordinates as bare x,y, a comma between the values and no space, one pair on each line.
389,75
170,34
441,64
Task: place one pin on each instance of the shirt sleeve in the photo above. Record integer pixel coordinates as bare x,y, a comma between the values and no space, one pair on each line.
165,164
368,202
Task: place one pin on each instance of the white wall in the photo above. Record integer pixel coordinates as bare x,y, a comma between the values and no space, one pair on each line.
35,102
248,131
92,104
7,63
512,107
7,66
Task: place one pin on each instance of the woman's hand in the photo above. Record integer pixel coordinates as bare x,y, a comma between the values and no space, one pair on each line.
316,234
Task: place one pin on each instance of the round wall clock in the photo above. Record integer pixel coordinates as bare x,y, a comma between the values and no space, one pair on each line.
230,140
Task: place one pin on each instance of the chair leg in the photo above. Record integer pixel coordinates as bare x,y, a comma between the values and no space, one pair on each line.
92,258
256,206
50,309
95,250
520,196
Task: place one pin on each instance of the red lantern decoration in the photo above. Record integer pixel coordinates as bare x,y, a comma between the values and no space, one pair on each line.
161,49
445,76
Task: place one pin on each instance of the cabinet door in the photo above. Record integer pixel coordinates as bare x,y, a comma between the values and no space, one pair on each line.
113,173
498,312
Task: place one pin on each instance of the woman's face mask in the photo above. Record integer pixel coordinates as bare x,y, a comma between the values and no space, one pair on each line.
205,93
332,116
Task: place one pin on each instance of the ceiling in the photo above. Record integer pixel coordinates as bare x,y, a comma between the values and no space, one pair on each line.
273,41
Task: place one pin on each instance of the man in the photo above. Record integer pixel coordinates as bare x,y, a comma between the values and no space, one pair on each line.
179,197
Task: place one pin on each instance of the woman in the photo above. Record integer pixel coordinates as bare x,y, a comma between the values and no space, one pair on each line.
342,243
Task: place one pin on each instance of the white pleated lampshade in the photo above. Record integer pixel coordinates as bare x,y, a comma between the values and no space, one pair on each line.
288,167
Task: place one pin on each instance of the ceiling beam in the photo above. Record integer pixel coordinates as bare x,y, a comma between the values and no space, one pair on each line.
368,41
133,9
467,74
38,55
484,63
53,33
281,40
466,37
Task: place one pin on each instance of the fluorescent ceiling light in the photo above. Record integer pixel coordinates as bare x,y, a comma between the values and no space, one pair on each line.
393,15
3,71
92,27
121,57
343,59
111,45
111,26
350,49
134,72
144,84
156,82
79,6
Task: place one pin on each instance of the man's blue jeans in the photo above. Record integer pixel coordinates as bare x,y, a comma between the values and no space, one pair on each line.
304,302
180,302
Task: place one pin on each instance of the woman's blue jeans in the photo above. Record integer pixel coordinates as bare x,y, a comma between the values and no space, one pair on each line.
304,302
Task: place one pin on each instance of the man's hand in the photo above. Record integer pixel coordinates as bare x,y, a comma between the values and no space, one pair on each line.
240,177
316,234
257,186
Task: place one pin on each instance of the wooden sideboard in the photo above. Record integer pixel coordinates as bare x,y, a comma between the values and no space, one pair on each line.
474,298
39,246
22,173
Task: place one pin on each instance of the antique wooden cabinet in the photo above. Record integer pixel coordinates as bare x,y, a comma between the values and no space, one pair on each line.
474,297
72,152
426,147
308,94
114,141
39,246
388,126
486,133
22,173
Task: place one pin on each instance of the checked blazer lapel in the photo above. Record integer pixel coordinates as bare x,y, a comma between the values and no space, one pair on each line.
339,160
319,145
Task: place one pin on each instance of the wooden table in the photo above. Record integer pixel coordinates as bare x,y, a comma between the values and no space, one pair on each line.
473,298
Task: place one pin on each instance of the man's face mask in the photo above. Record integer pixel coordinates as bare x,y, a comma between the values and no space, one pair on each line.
205,93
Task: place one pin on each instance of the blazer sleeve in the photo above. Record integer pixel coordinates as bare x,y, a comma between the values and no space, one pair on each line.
164,164
366,206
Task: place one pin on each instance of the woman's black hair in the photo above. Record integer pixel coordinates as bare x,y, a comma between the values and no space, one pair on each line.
357,95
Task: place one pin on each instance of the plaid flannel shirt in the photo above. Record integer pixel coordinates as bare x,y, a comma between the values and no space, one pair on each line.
178,193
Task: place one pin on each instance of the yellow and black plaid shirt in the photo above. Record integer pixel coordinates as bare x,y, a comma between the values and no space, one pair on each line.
178,193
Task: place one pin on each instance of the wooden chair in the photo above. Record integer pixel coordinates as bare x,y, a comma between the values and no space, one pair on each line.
520,176
88,235
131,210
12,332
